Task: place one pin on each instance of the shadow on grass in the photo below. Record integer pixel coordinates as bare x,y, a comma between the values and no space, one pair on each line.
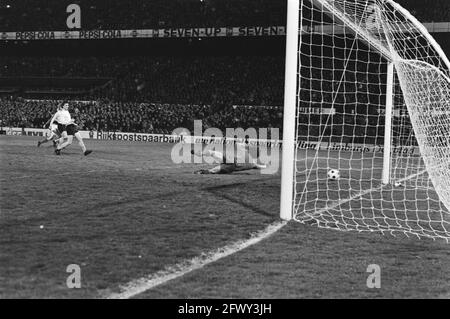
220,191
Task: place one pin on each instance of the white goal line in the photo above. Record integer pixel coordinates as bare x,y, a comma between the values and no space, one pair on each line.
138,286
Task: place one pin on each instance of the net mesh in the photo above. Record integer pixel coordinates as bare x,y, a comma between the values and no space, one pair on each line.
344,51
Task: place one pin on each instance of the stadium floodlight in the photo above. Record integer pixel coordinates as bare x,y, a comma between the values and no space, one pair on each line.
367,94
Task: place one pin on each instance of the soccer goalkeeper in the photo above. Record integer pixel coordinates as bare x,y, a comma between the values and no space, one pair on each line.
226,166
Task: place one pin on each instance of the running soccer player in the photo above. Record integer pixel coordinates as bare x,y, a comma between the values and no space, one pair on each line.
68,130
226,166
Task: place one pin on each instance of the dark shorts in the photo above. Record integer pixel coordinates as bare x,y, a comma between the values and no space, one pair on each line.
62,128
71,129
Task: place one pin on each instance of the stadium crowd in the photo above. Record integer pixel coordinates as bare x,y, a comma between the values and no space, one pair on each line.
137,117
217,81
46,15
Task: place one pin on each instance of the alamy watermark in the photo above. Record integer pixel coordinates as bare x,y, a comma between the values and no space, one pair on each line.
374,279
236,145
74,279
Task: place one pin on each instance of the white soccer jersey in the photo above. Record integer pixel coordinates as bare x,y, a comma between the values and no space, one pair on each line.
63,117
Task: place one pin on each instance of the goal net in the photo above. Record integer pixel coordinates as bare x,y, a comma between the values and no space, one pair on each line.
371,99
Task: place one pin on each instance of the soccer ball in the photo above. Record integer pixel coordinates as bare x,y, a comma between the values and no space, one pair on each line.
333,174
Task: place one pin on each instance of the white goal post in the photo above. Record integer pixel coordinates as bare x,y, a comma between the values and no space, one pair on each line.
367,93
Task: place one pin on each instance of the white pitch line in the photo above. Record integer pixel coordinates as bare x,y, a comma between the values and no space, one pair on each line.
143,284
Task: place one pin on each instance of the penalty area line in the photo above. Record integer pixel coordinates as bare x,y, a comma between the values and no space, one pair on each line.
136,287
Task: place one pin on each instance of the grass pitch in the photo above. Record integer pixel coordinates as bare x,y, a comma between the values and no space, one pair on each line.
126,211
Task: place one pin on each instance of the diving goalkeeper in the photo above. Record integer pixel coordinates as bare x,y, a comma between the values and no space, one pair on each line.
242,161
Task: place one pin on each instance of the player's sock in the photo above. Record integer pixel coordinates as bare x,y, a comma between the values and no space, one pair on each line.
83,147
